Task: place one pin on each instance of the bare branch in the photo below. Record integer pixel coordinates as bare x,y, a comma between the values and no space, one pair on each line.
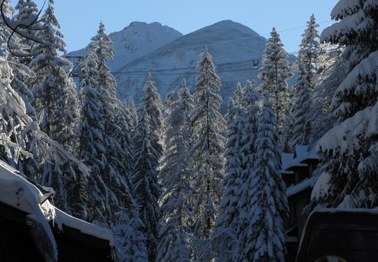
22,28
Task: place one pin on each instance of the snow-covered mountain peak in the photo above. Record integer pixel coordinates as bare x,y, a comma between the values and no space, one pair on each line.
137,40
140,34
229,25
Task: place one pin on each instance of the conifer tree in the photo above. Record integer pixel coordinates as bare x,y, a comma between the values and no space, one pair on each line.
207,152
18,49
274,74
331,72
55,96
91,131
300,111
307,68
12,124
55,102
26,15
117,140
175,180
104,146
22,139
146,156
264,236
224,237
248,154
5,31
349,151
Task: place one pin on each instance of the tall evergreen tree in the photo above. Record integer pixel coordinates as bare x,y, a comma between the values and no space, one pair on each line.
104,150
22,139
146,155
274,74
18,49
55,96
117,140
225,234
26,15
55,102
91,131
5,31
331,72
248,154
175,180
265,233
349,151
12,124
307,69
207,152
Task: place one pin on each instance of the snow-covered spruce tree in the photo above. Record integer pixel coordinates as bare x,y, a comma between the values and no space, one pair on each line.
104,150
146,157
55,102
54,90
27,16
118,147
18,55
22,139
207,152
331,72
17,129
349,151
17,49
174,176
307,68
5,31
274,74
265,233
12,124
224,238
302,92
91,133
248,154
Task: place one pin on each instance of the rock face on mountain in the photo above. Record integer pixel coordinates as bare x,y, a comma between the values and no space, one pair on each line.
234,48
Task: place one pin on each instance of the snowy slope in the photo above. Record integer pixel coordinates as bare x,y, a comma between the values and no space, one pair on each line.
232,45
136,40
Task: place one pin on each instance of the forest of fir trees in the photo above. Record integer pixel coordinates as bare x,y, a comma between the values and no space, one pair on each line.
178,180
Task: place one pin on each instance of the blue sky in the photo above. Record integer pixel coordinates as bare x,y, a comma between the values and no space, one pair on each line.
79,19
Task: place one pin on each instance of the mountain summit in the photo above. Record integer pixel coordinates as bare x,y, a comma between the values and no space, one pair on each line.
136,40
233,46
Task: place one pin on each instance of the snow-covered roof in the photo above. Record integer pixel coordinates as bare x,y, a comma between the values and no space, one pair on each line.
18,192
62,218
348,210
302,153
304,184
